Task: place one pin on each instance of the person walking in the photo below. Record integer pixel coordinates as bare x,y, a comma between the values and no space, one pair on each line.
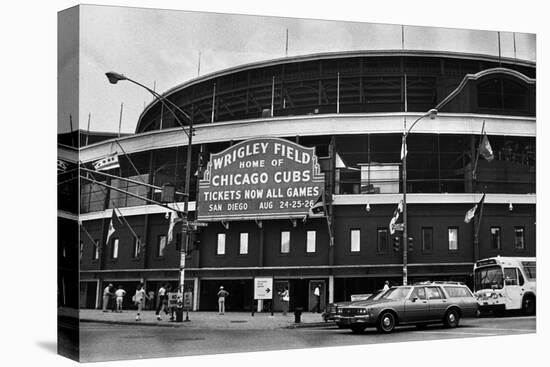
139,299
222,294
161,301
112,301
119,293
317,294
285,300
107,297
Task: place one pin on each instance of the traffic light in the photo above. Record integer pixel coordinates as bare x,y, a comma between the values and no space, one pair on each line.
410,244
396,244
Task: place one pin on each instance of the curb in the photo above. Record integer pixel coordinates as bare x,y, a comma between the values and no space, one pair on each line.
181,324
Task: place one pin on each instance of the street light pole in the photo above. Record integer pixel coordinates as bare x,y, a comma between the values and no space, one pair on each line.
186,229
404,246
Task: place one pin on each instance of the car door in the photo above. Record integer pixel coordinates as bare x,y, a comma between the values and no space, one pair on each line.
416,306
437,302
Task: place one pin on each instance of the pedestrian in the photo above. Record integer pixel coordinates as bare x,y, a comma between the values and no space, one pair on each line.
107,297
119,293
285,300
150,303
139,299
317,294
161,301
386,286
222,294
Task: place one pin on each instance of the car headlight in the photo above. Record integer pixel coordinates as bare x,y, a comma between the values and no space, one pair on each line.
339,310
494,295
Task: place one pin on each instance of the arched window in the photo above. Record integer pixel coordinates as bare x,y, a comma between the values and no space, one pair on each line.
502,94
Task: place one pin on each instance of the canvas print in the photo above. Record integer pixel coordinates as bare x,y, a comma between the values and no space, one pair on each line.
235,183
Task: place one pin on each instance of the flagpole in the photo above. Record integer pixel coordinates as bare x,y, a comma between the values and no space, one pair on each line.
478,150
477,225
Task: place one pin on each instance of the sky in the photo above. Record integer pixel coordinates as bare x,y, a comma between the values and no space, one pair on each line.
162,48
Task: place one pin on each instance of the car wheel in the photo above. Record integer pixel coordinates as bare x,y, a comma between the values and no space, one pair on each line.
452,318
357,329
528,306
386,322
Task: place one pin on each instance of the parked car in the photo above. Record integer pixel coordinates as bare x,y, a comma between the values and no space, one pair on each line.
421,304
332,308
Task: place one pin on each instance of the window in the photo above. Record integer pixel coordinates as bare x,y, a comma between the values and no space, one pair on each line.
419,293
161,246
243,244
495,238
382,245
519,238
453,239
434,293
457,292
311,238
114,250
285,242
96,250
510,276
427,239
355,240
530,269
502,93
221,244
137,247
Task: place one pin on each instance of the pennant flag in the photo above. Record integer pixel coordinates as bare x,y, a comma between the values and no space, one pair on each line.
318,207
472,212
485,149
61,166
394,226
403,150
174,218
115,222
107,163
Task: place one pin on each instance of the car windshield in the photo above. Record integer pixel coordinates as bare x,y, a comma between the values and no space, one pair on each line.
488,278
396,293
374,295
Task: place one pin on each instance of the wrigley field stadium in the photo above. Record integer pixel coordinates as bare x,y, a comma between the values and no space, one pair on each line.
340,170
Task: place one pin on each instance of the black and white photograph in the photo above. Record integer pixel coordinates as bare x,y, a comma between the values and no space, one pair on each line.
282,188
306,183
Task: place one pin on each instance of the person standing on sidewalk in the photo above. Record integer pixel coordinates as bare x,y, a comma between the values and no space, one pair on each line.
161,301
285,300
222,294
107,297
119,293
139,299
386,286
112,293
317,294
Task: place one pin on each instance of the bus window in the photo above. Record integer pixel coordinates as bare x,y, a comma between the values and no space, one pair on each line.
488,278
530,268
510,276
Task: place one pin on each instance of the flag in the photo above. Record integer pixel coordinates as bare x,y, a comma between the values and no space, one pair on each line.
61,166
403,150
115,222
106,163
394,226
318,207
485,149
174,218
472,212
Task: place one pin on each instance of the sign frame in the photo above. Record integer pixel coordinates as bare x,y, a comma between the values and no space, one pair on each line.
263,288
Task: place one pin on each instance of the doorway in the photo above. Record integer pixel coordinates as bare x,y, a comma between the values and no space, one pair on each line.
317,303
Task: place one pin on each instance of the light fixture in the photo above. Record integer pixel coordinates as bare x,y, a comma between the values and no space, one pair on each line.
432,113
367,208
114,77
510,206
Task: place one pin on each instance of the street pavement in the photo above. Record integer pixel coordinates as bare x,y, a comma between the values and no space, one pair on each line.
210,333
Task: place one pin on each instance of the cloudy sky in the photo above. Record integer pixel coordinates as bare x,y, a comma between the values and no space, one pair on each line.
160,48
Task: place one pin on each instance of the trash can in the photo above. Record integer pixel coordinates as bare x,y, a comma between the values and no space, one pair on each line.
298,314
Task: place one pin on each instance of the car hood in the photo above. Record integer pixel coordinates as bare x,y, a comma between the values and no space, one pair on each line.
371,303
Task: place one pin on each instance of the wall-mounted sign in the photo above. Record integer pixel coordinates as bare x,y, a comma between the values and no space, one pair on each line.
263,178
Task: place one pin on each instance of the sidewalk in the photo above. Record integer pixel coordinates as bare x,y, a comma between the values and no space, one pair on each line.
208,320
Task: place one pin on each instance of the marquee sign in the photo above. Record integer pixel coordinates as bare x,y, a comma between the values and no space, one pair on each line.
264,178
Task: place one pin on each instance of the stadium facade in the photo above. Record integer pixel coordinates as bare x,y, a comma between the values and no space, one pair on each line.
352,108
